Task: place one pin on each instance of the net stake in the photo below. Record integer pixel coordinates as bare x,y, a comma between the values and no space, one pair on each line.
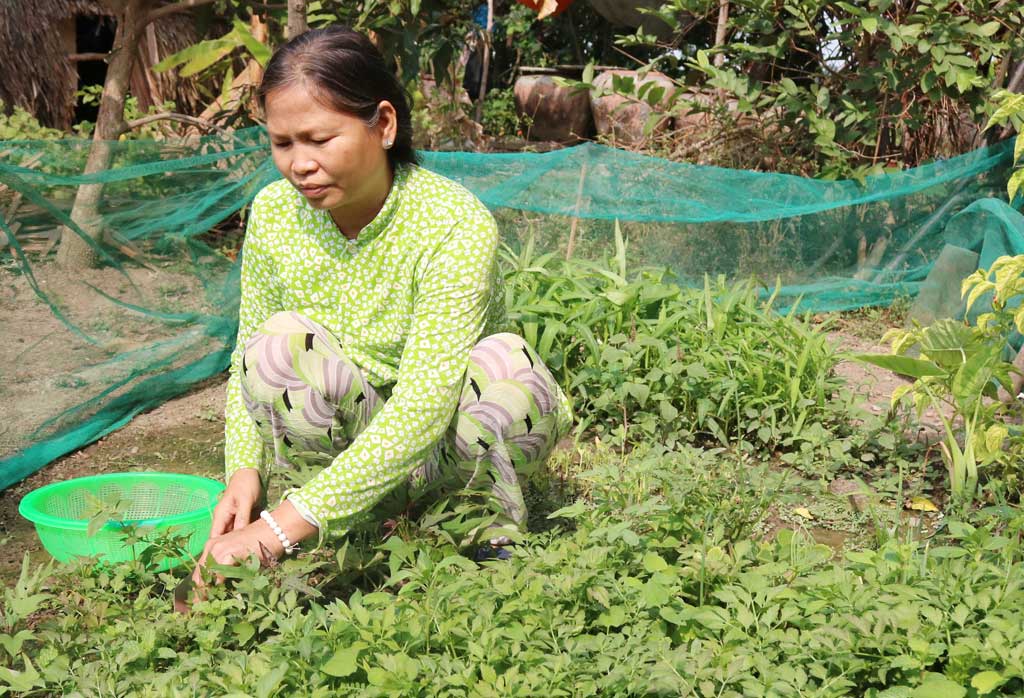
571,245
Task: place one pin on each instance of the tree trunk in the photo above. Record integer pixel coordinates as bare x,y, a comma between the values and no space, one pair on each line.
721,31
484,77
296,18
132,16
75,252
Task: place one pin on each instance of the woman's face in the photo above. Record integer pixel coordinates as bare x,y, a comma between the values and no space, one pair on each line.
334,159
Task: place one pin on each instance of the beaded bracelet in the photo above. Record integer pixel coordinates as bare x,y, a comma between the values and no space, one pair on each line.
289,547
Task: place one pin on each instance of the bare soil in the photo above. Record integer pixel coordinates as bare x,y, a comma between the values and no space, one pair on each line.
877,385
874,384
49,365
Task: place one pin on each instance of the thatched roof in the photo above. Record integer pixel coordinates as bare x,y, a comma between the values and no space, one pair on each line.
36,74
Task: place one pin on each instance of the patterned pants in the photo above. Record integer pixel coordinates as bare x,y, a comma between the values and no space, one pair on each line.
509,417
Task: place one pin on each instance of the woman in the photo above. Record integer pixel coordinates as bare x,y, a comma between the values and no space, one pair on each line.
369,330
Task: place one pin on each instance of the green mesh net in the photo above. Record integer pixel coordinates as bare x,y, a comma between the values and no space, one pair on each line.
85,351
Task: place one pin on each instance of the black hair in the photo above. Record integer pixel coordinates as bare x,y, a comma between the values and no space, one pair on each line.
346,71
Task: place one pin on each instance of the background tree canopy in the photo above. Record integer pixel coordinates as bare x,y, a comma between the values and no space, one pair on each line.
815,87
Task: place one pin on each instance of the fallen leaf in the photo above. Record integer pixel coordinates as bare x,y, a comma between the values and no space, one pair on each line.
548,8
920,504
804,512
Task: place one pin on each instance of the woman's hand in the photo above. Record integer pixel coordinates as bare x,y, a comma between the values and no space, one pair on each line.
255,538
233,546
240,504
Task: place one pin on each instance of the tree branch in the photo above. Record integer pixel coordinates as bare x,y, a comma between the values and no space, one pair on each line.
77,57
1017,78
484,77
177,7
170,116
721,31
296,19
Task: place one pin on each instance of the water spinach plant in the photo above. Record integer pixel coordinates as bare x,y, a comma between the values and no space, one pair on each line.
645,357
653,585
652,576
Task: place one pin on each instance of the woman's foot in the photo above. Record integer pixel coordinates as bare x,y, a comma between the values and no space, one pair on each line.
491,552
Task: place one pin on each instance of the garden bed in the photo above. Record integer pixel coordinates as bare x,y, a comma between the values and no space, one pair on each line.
186,435
734,520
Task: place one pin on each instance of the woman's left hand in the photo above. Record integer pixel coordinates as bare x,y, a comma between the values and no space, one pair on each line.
255,539
234,546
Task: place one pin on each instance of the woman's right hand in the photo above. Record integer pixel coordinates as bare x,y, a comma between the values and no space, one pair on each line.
240,504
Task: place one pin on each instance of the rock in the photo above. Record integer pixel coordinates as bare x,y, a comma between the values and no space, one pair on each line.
860,494
624,119
551,112
693,107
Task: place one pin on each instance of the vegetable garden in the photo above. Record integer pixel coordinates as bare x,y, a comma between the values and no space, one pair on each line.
649,572
733,514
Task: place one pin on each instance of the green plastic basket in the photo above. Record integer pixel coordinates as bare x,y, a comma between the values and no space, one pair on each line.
155,502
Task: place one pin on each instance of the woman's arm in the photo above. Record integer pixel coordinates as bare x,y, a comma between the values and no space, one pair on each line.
243,446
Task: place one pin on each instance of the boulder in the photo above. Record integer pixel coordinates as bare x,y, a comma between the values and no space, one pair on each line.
551,112
692,109
623,119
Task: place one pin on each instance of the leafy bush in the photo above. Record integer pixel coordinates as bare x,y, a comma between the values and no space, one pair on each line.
156,130
20,125
1010,113
958,368
841,89
647,359
655,592
499,114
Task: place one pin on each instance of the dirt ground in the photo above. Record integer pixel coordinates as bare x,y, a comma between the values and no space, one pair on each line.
859,333
186,435
47,365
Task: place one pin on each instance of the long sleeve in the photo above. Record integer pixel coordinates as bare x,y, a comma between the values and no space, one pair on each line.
260,298
451,295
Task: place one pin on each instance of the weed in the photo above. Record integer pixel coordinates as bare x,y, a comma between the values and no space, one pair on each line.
870,323
961,367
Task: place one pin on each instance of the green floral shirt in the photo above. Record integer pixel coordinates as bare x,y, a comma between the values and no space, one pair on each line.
407,299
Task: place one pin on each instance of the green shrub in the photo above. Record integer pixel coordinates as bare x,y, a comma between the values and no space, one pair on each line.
20,125
499,114
957,369
647,359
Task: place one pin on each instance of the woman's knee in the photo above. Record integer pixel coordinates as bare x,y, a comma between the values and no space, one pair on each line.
289,327
294,368
508,357
504,338
284,340
503,354
289,322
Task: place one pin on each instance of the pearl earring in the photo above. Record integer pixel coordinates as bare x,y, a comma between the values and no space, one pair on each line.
387,144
